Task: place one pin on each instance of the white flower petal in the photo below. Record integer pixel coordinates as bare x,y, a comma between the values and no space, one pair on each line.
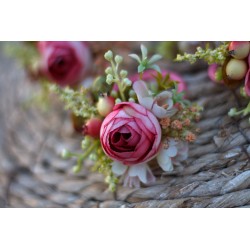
164,161
118,168
141,89
139,170
159,111
171,151
146,102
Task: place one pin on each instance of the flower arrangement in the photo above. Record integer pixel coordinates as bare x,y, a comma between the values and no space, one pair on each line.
229,64
132,118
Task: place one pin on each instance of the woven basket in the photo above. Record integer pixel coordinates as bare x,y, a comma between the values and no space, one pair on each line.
32,174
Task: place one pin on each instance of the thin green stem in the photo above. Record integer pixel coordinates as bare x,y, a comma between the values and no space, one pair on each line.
119,83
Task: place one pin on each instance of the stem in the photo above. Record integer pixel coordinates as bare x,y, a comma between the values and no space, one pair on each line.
89,150
118,81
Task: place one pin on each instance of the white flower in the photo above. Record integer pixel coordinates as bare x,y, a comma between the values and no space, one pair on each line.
171,152
161,105
133,174
166,152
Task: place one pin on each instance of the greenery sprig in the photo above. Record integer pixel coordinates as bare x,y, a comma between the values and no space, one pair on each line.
78,101
217,55
145,62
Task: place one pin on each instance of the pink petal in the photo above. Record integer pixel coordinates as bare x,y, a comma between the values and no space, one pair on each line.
247,83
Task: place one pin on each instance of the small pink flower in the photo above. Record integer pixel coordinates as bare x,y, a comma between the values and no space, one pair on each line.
65,63
130,134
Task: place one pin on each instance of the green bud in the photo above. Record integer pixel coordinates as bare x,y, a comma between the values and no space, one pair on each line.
123,73
92,157
65,154
108,70
108,55
76,169
131,99
109,79
131,93
118,59
232,112
127,82
114,93
117,100
85,142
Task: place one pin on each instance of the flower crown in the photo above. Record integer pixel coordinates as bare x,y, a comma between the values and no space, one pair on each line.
130,120
229,64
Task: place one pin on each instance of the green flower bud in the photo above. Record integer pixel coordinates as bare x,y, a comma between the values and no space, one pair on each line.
65,154
108,70
127,82
109,79
232,112
108,55
114,93
131,93
92,157
117,100
131,99
123,73
118,59
76,169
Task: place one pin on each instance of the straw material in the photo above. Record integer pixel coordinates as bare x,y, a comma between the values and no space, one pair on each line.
32,173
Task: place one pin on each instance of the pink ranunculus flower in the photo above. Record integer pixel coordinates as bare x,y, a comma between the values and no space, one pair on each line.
130,134
65,63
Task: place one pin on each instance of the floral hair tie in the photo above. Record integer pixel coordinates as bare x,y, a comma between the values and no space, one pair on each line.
132,118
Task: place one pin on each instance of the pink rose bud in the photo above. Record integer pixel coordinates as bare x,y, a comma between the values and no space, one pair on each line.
92,127
105,105
215,73
239,50
65,63
130,134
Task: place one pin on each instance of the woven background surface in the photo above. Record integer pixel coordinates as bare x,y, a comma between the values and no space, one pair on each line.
32,174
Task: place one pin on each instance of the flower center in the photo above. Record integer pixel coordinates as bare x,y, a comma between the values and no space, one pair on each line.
117,136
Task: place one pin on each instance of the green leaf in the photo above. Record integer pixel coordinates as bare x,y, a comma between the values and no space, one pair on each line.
154,59
136,57
156,68
141,68
144,52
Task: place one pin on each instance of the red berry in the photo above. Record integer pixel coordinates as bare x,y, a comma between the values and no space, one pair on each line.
92,127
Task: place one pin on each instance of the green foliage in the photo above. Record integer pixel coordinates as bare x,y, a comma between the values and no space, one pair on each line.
217,55
115,75
144,62
78,101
